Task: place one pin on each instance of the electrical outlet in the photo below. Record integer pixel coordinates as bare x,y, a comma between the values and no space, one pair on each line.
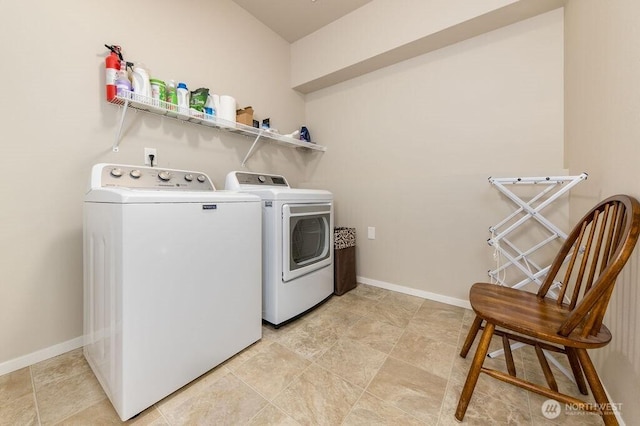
147,159
371,232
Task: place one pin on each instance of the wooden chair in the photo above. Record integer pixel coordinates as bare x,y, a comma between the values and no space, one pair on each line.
581,277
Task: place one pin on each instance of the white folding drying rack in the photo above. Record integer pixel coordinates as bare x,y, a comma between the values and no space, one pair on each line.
552,188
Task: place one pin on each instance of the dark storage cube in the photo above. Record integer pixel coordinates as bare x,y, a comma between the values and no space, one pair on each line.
344,260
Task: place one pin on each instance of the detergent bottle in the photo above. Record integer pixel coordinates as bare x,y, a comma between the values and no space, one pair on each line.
141,83
183,98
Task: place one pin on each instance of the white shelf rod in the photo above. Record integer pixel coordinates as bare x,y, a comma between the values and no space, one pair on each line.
518,265
526,253
116,143
253,146
531,212
517,212
536,180
531,250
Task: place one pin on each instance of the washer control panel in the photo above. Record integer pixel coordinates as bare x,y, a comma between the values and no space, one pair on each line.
149,178
238,180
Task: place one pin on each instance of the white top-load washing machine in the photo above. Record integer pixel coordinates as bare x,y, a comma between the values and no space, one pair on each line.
297,244
172,280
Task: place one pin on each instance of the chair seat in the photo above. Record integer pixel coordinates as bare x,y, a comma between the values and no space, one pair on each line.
522,312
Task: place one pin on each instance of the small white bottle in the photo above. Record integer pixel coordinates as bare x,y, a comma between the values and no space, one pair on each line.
210,106
183,99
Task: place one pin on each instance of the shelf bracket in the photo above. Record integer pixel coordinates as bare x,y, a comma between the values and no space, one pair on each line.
116,143
253,147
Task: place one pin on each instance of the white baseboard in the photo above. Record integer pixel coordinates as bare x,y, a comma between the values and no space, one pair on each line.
415,292
37,356
616,411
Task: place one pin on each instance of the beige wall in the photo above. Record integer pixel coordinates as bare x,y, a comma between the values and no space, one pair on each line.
410,148
56,125
602,119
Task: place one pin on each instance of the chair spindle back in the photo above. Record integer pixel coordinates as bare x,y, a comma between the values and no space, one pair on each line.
583,274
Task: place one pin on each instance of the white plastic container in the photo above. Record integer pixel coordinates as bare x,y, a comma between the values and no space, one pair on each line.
141,84
183,99
158,92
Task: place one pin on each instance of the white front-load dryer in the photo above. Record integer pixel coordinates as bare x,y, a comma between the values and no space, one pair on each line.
172,280
297,244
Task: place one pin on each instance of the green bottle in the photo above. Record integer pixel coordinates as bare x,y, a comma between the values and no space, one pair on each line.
172,94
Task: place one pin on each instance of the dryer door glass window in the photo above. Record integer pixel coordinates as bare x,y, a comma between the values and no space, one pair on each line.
308,240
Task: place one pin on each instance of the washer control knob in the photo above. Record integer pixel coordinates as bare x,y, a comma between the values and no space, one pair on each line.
164,175
116,172
188,177
262,179
135,174
202,178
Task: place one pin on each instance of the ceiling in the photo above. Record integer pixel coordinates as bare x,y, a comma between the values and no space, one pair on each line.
294,19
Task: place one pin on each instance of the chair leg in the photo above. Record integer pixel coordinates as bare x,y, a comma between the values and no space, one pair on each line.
471,336
577,370
474,370
596,387
508,356
546,370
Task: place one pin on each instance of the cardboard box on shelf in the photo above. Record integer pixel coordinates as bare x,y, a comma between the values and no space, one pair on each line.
245,116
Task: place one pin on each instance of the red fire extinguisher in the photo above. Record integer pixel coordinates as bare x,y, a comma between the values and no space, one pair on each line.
112,63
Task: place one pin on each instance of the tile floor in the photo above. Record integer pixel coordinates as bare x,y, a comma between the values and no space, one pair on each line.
369,357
